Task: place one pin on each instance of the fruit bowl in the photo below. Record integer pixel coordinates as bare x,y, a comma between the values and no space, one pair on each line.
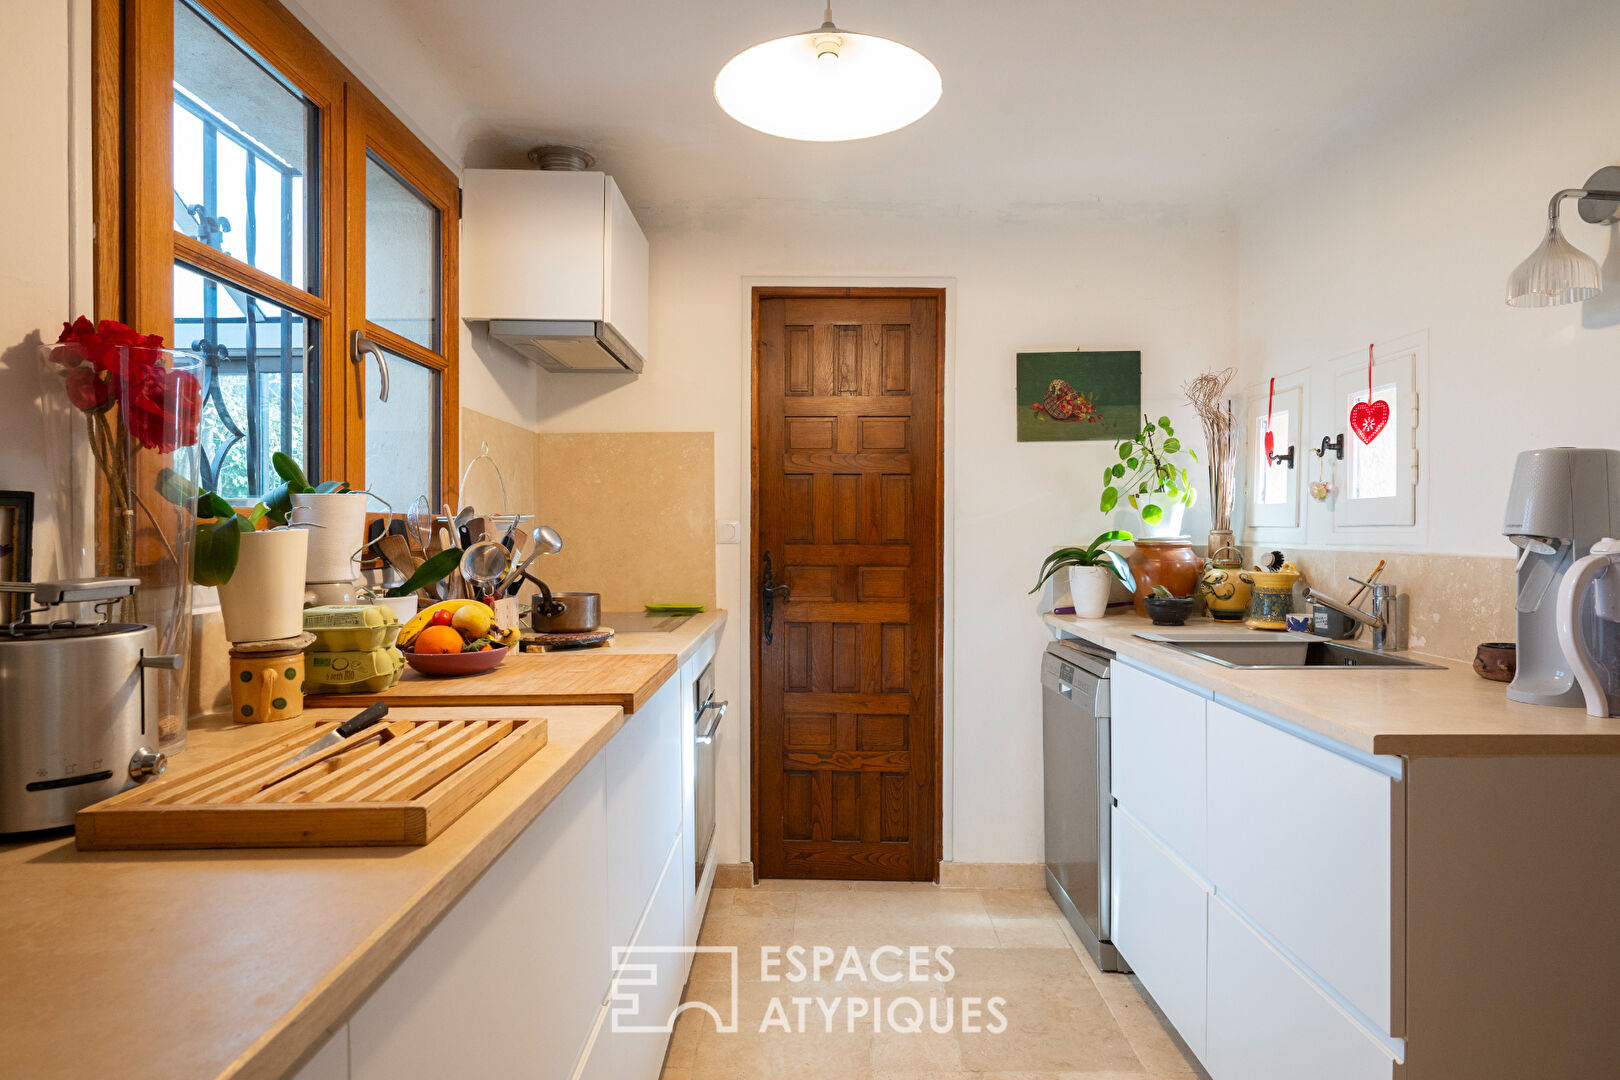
466,663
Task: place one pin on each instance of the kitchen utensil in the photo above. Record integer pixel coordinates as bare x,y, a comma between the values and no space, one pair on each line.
449,664
483,564
1589,626
419,524
480,527
546,540
353,725
396,551
484,455
78,720
463,516
1371,578
568,612
1496,661
405,791
514,577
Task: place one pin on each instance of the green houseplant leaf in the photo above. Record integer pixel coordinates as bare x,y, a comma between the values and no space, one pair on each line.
436,568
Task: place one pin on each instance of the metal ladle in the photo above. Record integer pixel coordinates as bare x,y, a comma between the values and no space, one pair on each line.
546,542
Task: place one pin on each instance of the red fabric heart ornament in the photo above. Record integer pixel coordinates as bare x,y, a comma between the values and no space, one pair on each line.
1368,420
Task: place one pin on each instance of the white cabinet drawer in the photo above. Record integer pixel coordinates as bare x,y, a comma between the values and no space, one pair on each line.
1158,759
1300,841
1268,1022
643,776
1159,918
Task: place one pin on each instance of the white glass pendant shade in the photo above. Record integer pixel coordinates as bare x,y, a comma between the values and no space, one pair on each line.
1557,272
828,86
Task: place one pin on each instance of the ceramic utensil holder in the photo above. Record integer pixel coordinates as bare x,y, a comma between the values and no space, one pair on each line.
266,686
337,529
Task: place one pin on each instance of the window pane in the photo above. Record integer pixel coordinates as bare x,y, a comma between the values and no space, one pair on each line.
261,362
1271,481
402,434
242,152
1371,469
402,257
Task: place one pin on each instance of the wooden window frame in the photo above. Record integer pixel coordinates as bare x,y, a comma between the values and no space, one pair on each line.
137,246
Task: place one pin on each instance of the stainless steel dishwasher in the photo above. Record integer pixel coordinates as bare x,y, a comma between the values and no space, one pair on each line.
1074,721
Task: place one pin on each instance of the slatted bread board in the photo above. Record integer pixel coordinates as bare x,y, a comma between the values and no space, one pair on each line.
403,790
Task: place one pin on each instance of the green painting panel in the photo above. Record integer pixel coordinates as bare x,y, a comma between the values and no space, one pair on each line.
1065,396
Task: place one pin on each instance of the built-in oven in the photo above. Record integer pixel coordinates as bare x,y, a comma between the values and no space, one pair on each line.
706,716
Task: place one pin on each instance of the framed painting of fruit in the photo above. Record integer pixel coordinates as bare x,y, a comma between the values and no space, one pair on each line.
1064,396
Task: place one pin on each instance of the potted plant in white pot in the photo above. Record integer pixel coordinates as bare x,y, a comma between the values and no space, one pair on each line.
1092,572
259,572
1150,478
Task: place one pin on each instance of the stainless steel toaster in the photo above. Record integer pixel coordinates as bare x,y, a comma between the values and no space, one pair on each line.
78,720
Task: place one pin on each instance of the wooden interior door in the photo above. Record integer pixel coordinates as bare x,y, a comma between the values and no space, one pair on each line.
847,516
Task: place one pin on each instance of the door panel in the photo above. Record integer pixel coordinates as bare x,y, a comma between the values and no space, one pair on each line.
847,510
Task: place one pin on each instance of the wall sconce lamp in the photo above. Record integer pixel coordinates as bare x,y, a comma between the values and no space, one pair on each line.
1558,272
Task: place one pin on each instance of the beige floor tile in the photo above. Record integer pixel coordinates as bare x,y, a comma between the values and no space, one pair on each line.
804,885
753,902
746,931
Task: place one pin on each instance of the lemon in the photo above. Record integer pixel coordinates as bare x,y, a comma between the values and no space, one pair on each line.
473,620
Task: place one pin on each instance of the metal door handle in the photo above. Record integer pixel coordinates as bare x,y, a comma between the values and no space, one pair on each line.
359,346
768,589
706,736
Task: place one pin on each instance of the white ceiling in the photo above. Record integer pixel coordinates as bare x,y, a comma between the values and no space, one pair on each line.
1048,104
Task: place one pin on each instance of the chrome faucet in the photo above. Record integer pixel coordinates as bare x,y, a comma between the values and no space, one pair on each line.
1384,618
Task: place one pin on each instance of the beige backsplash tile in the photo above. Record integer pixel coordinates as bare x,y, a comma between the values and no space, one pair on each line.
1457,601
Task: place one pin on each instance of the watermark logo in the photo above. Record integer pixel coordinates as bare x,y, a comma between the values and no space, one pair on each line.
647,975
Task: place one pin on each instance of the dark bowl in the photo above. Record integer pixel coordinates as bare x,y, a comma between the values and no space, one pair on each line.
1168,610
1496,661
449,664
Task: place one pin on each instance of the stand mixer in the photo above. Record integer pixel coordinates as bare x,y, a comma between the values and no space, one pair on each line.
1562,501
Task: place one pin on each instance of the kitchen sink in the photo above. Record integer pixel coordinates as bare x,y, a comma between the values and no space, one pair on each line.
1287,653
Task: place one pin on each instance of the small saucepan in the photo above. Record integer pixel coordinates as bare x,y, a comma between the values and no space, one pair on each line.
564,612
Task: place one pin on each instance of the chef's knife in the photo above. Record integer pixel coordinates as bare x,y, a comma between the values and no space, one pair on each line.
352,726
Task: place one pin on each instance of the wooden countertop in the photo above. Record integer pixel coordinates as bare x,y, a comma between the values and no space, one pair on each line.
1415,713
625,672
199,964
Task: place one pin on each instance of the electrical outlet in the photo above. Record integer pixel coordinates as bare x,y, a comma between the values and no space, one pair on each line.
728,532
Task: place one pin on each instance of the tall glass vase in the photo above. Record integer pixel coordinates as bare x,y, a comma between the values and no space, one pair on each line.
136,407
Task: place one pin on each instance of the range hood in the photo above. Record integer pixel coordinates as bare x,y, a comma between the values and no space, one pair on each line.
565,345
554,261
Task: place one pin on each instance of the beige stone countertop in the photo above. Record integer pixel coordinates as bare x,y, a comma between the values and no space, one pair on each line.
1415,713
682,641
197,964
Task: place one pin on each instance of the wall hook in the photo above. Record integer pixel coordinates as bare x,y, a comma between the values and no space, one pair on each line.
1335,445
1278,459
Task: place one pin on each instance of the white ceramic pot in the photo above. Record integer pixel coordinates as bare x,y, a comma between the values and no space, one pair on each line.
1089,587
1169,524
403,607
338,528
264,600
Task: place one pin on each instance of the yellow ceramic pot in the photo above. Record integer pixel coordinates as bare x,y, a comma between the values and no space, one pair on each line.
1272,600
266,686
1225,593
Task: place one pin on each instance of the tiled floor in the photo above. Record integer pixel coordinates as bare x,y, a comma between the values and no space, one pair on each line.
1063,1017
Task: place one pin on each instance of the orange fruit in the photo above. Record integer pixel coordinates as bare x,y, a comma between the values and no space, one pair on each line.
438,639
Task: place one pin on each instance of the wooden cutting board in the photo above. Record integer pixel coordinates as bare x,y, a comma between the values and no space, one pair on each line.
404,789
586,678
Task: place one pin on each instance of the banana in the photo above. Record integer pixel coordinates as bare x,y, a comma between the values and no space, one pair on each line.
421,619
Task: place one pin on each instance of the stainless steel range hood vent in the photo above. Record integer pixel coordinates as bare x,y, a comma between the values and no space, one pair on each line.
568,345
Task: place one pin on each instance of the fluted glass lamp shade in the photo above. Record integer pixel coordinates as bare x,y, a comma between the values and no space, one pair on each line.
1557,272
828,86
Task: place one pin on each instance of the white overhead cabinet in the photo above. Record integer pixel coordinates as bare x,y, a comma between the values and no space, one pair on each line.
556,263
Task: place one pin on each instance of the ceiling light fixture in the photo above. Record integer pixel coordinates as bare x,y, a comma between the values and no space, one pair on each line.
1558,272
828,85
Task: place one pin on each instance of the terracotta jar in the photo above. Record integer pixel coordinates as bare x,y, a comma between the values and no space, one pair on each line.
1170,562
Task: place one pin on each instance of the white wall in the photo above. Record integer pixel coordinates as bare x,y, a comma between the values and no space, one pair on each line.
45,238
1159,283
1414,223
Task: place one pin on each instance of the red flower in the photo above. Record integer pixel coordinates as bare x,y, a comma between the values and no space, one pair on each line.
162,407
90,390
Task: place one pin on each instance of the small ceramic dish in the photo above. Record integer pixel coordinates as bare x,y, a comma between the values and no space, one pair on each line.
467,663
1496,661
1168,610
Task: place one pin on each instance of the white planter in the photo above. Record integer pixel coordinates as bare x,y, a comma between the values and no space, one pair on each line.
264,600
1169,524
339,521
403,607
1089,587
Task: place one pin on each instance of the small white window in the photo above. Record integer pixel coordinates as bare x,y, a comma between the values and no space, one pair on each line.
1273,484
1380,477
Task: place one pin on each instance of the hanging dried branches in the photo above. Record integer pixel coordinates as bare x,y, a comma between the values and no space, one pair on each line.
1207,394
